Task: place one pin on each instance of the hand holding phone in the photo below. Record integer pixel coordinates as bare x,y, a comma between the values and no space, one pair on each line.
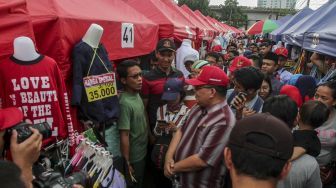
239,101
162,123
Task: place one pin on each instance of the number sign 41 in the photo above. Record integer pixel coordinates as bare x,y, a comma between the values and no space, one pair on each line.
127,35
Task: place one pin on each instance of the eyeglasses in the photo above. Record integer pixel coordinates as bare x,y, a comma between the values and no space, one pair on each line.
136,76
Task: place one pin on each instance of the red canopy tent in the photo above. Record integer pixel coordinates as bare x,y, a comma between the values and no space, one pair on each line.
235,30
14,22
200,28
209,30
60,24
217,24
171,23
199,14
229,28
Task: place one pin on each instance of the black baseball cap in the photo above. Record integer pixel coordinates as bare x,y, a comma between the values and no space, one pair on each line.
165,45
264,134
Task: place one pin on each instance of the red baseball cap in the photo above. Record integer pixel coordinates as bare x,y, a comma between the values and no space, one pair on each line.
239,62
281,51
217,48
10,117
210,75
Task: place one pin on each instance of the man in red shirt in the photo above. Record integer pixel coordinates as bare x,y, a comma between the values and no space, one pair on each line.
154,80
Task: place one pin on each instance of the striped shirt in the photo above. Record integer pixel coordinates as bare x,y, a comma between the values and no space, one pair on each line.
205,135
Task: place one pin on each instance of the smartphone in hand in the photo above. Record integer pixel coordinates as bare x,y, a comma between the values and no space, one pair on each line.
162,123
238,99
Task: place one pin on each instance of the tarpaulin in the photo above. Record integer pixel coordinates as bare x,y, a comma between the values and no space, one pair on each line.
217,24
200,28
14,22
200,15
294,34
171,23
235,30
209,30
276,34
60,24
283,20
321,36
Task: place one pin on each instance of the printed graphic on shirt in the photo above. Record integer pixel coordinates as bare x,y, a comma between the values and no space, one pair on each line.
37,103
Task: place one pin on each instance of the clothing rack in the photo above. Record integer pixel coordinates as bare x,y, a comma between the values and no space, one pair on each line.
97,162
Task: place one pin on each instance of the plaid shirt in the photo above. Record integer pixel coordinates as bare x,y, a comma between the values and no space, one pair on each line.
206,133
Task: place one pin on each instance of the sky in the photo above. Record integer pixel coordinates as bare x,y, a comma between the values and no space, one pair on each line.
314,4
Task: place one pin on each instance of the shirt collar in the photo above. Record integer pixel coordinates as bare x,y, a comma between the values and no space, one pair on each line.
216,107
172,70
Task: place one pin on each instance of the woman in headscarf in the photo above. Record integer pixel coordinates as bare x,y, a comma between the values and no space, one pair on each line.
306,85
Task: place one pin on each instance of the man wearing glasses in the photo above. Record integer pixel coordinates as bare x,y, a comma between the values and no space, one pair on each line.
132,123
195,153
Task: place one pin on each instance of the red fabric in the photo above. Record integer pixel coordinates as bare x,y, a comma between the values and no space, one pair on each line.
10,117
210,75
292,92
209,30
235,30
218,24
217,48
60,24
171,23
229,28
14,22
199,14
256,28
200,28
39,91
239,62
281,51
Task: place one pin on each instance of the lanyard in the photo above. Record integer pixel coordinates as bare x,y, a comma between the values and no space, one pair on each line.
93,57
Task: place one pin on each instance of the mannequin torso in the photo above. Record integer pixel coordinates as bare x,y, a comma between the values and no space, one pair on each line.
24,49
93,35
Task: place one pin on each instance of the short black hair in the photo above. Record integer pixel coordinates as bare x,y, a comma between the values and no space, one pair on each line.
122,68
332,85
314,113
253,44
282,107
221,90
153,56
10,175
232,44
249,77
189,62
235,52
267,78
255,164
213,54
266,44
272,56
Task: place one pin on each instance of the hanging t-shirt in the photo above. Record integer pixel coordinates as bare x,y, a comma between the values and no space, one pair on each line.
85,63
37,88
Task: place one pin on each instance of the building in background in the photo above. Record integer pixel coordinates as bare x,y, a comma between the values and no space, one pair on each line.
287,4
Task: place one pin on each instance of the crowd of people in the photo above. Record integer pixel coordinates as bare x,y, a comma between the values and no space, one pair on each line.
237,117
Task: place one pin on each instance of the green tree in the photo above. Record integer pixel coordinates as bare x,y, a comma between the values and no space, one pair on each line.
201,5
232,15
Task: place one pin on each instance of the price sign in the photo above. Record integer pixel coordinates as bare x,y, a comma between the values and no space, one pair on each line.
100,86
127,35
